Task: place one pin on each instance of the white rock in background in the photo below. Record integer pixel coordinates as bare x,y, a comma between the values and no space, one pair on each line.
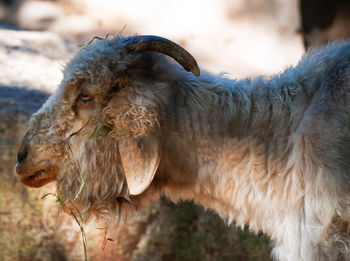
38,14
33,59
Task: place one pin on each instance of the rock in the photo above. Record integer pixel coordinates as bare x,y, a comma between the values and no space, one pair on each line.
38,14
32,59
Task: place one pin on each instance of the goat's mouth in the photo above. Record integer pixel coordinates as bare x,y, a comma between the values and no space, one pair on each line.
40,177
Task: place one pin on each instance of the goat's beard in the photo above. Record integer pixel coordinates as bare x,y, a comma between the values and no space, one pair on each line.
93,182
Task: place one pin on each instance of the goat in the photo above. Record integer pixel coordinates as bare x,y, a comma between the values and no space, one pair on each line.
127,125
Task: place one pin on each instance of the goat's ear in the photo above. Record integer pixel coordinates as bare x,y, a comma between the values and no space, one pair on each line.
140,159
133,113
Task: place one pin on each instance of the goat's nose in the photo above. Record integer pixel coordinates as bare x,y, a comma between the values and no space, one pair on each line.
22,154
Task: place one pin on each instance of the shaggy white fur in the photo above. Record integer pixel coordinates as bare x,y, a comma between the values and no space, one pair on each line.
271,152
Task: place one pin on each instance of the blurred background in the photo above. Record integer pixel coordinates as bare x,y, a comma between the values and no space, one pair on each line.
243,38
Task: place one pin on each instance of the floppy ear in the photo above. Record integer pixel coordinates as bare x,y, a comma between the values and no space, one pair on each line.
133,114
140,159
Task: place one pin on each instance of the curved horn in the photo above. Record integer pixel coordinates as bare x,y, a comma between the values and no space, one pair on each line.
159,44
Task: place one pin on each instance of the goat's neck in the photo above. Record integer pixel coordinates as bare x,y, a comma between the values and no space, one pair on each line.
224,141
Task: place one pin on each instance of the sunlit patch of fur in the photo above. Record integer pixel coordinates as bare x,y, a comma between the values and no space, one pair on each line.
136,120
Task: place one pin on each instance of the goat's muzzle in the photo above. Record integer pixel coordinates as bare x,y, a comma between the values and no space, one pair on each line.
33,174
37,176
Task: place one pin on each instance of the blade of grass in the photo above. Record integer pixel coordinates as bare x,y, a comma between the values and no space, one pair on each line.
83,234
71,151
98,126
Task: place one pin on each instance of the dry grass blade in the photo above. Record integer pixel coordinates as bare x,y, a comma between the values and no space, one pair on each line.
105,238
95,38
71,151
98,126
83,234
121,62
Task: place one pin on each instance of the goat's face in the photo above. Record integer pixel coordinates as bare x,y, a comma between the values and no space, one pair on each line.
97,133
71,119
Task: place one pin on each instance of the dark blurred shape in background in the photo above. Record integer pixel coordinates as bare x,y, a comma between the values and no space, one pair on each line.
324,20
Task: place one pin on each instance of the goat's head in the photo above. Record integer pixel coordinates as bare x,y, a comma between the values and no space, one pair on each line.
97,135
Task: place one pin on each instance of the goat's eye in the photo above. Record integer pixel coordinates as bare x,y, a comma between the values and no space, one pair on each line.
84,97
